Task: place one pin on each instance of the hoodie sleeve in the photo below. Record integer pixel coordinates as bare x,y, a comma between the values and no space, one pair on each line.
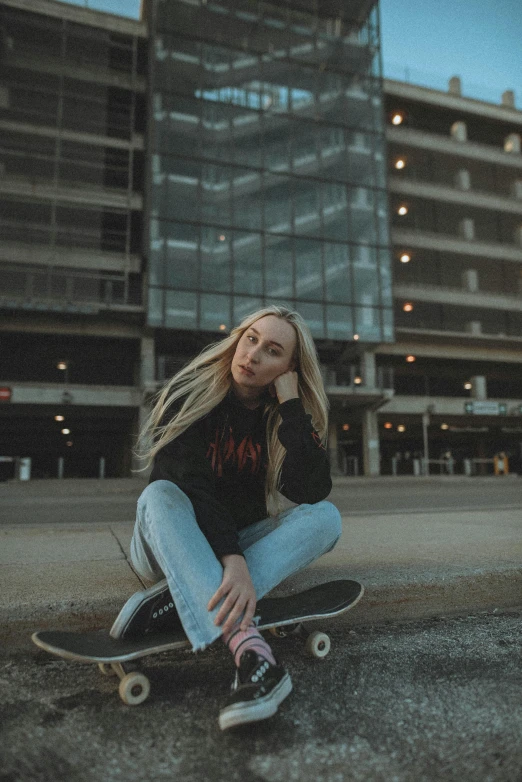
305,476
183,461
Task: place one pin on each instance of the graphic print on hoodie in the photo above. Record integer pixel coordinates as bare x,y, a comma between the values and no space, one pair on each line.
223,449
220,463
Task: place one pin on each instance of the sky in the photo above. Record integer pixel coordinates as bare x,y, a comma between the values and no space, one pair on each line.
428,41
478,40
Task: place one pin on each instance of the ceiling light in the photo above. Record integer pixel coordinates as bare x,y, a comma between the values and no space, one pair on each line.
407,307
59,418
66,431
388,425
401,428
397,118
402,210
400,163
468,386
444,426
222,327
61,365
357,380
405,258
356,336
410,359
346,427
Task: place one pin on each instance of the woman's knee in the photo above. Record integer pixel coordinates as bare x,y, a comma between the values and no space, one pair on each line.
331,522
160,495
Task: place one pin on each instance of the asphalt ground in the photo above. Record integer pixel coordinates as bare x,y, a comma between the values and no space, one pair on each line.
436,699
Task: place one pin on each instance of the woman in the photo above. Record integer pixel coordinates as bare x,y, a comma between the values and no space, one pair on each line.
240,427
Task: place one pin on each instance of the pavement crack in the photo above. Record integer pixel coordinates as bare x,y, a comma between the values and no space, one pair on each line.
126,557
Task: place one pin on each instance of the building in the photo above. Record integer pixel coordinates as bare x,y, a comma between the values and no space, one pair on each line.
163,178
455,186
72,127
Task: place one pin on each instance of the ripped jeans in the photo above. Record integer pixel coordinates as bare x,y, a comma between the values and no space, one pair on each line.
168,543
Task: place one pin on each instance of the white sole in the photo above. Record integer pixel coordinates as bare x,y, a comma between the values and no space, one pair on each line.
254,711
134,602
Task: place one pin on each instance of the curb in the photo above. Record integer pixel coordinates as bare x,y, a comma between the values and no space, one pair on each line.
458,595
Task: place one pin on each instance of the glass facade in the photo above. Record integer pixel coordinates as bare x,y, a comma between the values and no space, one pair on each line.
267,166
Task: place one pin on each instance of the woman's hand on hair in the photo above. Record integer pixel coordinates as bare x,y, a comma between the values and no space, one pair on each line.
238,592
286,386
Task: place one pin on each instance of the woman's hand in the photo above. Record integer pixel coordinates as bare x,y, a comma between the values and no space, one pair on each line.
286,386
238,591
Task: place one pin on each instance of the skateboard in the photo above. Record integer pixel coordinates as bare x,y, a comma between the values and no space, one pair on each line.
282,616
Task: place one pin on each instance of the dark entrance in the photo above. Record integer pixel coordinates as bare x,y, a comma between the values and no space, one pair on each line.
73,445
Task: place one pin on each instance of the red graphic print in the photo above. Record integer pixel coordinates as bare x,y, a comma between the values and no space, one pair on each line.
246,455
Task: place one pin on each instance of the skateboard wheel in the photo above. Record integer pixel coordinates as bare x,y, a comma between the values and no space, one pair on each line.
106,669
318,644
134,689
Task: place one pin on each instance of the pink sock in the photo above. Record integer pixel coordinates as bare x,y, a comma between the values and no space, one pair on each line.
238,641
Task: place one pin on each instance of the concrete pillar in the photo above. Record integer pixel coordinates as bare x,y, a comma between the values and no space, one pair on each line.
467,228
516,189
463,179
333,450
470,280
147,363
474,327
368,368
508,99
479,389
512,143
371,451
455,86
459,131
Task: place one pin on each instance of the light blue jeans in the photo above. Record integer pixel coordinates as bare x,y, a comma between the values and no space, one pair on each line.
168,543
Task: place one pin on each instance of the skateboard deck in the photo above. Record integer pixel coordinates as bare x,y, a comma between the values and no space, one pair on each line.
272,613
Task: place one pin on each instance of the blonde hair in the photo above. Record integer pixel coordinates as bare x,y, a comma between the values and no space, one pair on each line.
207,379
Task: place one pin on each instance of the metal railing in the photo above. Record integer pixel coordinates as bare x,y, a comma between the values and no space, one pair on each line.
67,290
353,376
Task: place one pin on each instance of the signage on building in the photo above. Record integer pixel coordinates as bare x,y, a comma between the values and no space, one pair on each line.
485,408
5,394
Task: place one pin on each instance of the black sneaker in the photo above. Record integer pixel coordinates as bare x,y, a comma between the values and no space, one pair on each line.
150,611
258,689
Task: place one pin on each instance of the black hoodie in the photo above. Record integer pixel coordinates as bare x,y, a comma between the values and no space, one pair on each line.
220,463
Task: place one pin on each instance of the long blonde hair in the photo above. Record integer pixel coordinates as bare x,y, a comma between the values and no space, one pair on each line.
207,379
